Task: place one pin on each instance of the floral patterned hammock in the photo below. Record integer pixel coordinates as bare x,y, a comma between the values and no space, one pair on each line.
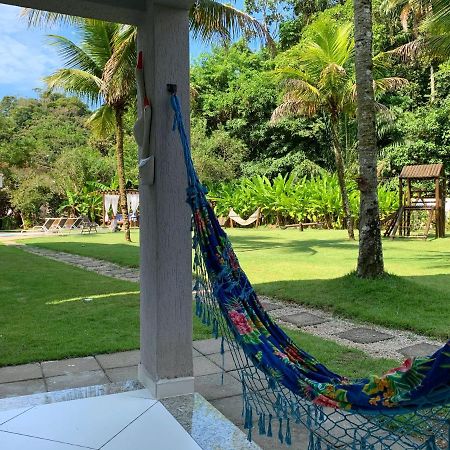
406,408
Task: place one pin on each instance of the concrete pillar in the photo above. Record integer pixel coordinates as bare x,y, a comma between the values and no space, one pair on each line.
165,242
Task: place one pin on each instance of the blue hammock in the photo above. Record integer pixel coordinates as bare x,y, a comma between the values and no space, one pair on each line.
406,408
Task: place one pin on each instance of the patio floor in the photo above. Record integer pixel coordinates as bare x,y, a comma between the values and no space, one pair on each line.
216,380
76,387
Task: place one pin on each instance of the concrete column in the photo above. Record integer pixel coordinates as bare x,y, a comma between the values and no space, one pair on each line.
165,242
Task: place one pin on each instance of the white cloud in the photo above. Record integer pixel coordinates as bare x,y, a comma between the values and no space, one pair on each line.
25,58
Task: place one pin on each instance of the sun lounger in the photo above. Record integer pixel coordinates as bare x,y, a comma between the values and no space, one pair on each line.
46,226
72,223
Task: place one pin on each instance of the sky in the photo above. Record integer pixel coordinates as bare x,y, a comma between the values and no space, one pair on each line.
25,57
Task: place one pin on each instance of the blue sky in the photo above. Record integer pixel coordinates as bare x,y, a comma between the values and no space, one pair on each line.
25,58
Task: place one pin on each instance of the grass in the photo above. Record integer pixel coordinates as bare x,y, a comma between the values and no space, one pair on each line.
44,314
313,268
345,361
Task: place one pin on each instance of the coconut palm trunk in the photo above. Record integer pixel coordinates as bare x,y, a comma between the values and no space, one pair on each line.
341,174
121,172
370,258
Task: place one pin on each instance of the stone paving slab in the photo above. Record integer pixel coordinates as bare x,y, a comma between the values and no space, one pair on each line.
364,335
69,366
231,408
122,373
209,346
121,359
216,386
20,388
84,262
421,349
224,361
270,306
304,319
20,373
203,366
75,380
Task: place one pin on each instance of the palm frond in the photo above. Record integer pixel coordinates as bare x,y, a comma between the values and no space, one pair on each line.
102,121
210,19
76,82
389,84
409,51
73,55
118,74
404,16
38,18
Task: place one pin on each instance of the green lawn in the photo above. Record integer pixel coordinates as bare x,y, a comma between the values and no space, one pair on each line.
312,267
44,315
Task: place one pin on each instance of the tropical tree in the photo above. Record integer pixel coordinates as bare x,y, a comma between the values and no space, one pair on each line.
102,67
318,78
84,75
370,258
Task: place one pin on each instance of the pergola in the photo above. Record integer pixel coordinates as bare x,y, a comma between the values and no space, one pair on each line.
165,240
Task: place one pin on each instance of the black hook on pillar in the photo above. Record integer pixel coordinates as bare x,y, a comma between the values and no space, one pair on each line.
172,88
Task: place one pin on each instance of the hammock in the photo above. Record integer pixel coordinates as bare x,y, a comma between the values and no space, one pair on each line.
284,386
235,217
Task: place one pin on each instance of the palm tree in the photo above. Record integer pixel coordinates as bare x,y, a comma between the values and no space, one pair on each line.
318,79
109,75
84,76
370,257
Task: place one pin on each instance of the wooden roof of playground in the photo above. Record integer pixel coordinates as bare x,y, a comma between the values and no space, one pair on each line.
423,171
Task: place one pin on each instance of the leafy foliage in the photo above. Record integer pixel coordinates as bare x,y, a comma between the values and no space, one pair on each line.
289,199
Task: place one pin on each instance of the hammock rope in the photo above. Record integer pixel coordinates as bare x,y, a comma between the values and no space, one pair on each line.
284,386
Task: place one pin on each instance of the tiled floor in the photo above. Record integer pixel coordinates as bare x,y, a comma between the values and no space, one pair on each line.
125,421
105,370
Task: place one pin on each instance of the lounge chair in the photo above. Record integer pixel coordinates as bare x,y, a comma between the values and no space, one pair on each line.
58,224
46,226
253,219
72,223
87,226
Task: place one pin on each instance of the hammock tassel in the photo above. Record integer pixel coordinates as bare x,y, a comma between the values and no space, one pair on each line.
318,444
215,330
262,424
288,438
431,444
311,444
272,384
269,427
280,430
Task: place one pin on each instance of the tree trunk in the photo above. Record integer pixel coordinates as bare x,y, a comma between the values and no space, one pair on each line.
432,84
121,173
370,259
341,175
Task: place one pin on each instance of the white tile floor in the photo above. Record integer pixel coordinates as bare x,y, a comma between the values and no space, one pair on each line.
125,421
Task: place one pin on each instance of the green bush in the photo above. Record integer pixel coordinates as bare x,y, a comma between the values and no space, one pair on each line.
288,199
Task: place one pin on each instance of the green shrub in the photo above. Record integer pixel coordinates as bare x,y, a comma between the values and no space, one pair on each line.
288,199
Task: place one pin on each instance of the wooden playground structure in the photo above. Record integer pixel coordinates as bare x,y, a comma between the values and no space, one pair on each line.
422,190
